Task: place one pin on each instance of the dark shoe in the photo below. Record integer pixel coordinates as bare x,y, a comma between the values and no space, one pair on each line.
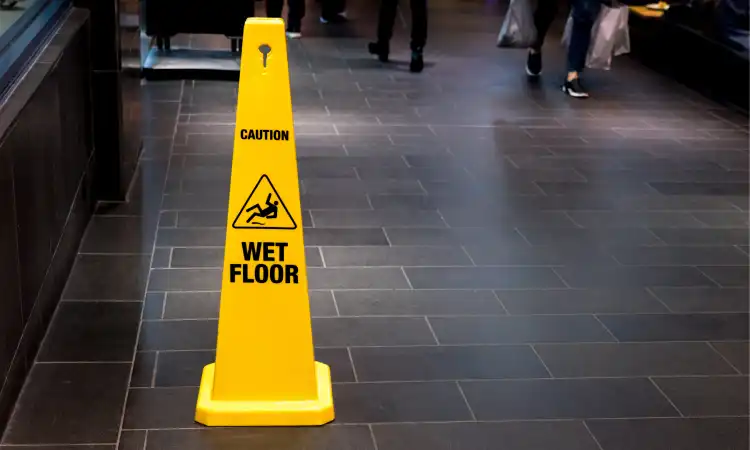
379,49
534,64
294,31
417,62
575,89
334,18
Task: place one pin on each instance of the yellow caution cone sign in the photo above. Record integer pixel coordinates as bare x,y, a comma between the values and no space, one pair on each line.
265,372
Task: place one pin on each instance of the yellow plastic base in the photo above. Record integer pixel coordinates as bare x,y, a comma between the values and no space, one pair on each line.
227,413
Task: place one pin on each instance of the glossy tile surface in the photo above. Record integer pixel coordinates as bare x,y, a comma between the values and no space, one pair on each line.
490,263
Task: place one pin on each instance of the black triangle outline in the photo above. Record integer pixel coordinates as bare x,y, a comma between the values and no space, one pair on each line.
273,188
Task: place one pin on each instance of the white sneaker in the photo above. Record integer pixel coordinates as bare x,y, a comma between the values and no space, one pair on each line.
293,34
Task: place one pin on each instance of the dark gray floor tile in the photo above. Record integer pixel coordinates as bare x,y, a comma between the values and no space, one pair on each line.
333,437
379,218
178,335
589,237
395,256
405,202
674,434
399,402
539,435
108,277
579,301
190,237
653,219
201,219
119,235
345,236
493,217
161,408
322,304
482,278
632,359
371,331
453,236
333,202
707,396
181,368
417,303
613,189
161,258
674,203
687,300
680,256
677,327
143,369
724,219
728,276
181,280
447,363
667,188
702,236
632,277
736,353
523,255
374,187
340,363
518,330
566,399
69,403
192,305
132,440
92,331
357,278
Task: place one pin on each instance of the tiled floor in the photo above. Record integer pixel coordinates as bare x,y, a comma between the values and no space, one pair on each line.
493,265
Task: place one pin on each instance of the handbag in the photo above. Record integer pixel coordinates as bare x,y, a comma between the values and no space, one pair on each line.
518,29
610,36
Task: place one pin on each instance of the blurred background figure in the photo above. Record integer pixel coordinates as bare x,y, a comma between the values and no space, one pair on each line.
386,20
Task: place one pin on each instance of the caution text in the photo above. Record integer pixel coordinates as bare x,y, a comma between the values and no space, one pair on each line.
264,135
264,263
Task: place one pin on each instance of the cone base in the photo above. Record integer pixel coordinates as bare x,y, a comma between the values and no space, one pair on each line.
225,413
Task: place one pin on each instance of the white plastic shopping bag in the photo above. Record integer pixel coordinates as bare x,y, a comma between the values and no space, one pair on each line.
610,36
518,29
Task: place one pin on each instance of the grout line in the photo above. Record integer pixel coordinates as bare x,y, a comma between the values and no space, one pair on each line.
473,263
164,306
351,361
596,317
156,365
408,281
724,358
432,331
651,379
466,401
502,305
656,297
533,348
372,436
335,304
145,441
591,433
322,258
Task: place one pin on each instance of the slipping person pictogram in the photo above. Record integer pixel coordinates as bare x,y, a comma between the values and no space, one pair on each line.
271,211
264,208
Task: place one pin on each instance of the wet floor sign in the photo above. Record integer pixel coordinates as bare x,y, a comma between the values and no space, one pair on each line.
265,371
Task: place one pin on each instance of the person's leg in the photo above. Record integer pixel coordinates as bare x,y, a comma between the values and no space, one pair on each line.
332,11
418,34
584,13
295,14
546,11
274,8
386,20
544,15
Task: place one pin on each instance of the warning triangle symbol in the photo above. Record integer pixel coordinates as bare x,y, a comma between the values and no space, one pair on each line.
264,209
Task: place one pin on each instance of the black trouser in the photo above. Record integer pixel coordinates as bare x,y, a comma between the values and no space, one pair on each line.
584,14
387,19
295,14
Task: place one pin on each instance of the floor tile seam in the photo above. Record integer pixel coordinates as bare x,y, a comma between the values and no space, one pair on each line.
492,315
148,280
721,355
469,265
665,396
476,381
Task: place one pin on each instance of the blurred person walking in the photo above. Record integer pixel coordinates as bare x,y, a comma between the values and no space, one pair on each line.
386,20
